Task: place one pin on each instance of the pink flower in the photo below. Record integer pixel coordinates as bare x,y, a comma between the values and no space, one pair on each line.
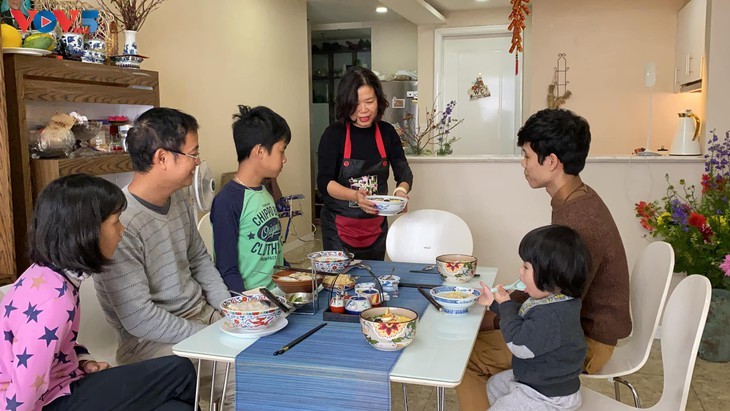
725,266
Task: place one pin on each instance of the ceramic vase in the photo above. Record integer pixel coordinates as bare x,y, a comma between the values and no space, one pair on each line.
715,342
73,44
130,42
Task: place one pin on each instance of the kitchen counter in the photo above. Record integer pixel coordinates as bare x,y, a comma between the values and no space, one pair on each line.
491,158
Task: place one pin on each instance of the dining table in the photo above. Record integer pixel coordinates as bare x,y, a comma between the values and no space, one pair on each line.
437,357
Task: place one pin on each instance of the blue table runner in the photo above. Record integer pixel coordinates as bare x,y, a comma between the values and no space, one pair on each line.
333,369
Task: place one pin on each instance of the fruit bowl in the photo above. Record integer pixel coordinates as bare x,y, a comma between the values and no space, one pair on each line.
456,268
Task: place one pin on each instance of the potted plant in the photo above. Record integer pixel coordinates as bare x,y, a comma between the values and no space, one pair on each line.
436,133
698,228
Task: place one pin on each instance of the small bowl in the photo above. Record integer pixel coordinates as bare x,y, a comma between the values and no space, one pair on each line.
388,205
299,299
345,280
389,282
455,304
294,286
250,320
456,268
388,336
333,262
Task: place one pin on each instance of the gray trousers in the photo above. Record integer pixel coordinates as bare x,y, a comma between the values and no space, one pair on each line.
132,350
506,394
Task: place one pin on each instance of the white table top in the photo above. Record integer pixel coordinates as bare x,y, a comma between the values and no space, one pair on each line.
437,356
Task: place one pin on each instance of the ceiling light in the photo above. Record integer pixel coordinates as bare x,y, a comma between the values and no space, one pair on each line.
381,9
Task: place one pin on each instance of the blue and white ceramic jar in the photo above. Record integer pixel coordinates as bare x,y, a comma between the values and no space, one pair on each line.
73,43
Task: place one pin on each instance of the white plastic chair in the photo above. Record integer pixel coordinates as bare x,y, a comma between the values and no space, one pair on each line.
682,325
4,290
422,235
95,332
649,286
205,228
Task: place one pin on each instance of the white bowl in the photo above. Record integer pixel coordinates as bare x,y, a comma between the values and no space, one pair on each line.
388,205
456,268
455,305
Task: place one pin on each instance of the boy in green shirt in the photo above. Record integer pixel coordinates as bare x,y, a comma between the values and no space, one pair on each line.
246,228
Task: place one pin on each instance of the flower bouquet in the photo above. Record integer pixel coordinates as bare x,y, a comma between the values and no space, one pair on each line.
697,227
437,131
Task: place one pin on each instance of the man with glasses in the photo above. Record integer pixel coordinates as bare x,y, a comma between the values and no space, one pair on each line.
162,286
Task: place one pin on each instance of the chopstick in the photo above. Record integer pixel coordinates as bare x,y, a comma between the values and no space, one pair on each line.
430,299
432,272
301,270
273,299
409,285
287,347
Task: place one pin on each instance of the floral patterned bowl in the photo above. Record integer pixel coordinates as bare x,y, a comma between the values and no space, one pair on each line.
388,336
455,300
456,268
333,262
237,315
388,205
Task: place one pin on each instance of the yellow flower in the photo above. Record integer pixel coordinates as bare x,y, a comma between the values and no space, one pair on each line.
663,219
718,222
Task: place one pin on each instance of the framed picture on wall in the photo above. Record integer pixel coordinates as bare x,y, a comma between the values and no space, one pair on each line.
7,5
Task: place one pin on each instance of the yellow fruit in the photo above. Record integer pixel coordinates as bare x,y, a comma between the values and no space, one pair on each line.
11,36
42,41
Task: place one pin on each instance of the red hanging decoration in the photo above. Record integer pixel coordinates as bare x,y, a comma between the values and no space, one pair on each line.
516,26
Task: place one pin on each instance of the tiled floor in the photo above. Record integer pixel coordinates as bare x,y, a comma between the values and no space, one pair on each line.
709,392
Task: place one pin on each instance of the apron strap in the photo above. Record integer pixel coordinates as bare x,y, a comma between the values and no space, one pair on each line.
378,141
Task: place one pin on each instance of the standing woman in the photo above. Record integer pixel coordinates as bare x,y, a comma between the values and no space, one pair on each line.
354,157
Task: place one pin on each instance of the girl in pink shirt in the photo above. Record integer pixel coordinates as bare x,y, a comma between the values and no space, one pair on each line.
74,232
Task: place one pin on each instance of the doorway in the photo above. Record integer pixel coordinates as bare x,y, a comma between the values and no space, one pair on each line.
491,119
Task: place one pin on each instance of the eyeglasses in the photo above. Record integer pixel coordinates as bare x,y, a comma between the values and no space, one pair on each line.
195,157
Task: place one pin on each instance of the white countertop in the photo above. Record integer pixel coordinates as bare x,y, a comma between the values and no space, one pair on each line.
492,158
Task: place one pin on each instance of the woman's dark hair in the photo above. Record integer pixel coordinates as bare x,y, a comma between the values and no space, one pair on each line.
559,258
258,125
157,128
64,232
560,132
346,99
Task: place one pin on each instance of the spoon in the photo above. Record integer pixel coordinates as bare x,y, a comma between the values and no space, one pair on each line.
517,285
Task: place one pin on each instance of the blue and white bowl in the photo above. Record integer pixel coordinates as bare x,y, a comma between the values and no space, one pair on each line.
73,43
250,320
455,300
389,282
388,205
333,262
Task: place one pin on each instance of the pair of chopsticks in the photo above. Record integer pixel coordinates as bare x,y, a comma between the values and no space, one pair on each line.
430,299
287,347
271,297
432,272
301,270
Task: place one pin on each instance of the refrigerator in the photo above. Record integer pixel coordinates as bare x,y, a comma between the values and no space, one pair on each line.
402,99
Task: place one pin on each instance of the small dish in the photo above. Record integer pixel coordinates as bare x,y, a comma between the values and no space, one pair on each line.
26,50
243,333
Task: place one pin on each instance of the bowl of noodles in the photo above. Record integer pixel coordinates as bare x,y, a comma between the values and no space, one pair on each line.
389,328
250,312
456,268
294,282
455,300
388,205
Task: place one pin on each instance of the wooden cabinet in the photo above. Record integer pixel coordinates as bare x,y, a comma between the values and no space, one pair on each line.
327,69
690,45
35,86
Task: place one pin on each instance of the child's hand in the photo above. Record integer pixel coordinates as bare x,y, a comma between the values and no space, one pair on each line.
502,295
487,297
91,367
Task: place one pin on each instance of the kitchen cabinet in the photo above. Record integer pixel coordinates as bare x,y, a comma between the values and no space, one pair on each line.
327,69
37,87
690,46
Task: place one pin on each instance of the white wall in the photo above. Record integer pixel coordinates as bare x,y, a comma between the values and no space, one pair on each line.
394,46
494,199
213,57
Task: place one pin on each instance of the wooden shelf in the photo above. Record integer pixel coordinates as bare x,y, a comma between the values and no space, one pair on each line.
32,79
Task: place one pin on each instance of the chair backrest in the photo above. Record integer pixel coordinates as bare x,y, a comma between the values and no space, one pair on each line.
95,332
205,228
682,326
650,280
422,235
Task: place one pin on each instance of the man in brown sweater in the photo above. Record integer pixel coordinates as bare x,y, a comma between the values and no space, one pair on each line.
555,145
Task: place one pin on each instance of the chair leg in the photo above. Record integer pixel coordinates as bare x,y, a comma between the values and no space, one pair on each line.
616,381
405,397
